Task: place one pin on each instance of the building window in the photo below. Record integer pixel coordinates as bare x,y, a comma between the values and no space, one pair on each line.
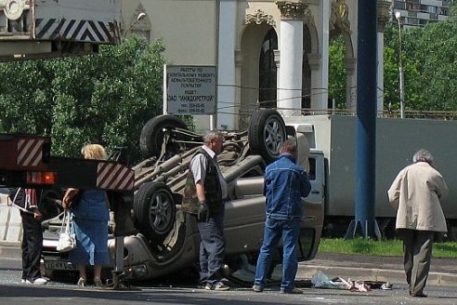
412,21
399,5
268,71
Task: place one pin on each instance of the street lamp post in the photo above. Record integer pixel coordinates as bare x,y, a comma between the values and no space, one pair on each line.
401,70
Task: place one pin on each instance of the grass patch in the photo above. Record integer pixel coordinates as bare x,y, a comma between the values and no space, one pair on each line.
383,248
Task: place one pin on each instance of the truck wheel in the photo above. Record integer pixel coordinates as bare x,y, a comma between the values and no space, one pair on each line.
154,209
152,134
266,133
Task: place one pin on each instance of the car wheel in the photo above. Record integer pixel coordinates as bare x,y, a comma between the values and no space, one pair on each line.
152,134
154,210
266,133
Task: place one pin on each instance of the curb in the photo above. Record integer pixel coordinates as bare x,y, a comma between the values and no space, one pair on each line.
374,274
10,250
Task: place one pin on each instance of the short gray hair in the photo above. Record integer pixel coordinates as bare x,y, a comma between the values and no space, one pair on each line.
423,155
212,135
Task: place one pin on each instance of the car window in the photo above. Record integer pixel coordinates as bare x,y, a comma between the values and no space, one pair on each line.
312,169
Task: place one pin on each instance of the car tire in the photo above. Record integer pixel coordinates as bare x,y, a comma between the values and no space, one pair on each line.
266,133
152,133
155,210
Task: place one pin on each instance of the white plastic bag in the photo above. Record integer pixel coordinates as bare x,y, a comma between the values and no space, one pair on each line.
67,240
320,280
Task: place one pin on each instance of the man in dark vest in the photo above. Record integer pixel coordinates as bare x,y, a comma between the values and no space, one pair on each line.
211,192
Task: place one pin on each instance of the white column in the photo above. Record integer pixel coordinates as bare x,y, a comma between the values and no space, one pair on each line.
290,73
380,67
319,93
226,90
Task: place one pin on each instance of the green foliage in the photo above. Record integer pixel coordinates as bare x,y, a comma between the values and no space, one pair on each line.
337,77
432,51
429,59
391,80
104,98
25,92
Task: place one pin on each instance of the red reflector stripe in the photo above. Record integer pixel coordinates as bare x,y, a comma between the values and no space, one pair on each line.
114,177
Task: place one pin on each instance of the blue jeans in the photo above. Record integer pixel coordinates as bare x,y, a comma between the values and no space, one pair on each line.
212,249
274,230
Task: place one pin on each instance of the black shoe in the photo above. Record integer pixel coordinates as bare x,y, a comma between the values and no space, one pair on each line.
257,288
419,295
292,291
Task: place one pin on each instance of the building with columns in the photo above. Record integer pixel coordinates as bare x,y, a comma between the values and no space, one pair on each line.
268,54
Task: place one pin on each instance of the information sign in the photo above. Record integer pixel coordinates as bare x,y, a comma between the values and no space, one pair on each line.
190,89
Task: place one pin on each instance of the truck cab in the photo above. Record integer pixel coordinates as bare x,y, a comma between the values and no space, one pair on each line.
316,174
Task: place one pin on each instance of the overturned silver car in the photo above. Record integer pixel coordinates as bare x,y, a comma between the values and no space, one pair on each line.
168,240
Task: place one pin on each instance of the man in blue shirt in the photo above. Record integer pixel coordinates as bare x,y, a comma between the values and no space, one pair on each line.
286,183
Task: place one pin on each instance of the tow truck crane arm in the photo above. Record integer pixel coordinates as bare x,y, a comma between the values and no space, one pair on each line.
32,29
27,162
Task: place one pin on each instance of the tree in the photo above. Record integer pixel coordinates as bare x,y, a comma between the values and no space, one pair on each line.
104,98
430,64
25,90
429,58
432,52
337,75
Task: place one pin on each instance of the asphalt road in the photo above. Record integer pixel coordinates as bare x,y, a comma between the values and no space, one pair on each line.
12,292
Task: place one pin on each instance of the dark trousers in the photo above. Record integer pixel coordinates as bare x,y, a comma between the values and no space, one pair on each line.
417,247
212,249
32,244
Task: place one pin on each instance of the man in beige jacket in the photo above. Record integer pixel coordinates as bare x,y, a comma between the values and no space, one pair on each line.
415,194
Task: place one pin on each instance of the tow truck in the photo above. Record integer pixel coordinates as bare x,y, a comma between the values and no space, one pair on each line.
32,29
27,162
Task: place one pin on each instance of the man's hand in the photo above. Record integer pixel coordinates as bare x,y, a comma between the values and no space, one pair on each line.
37,214
203,211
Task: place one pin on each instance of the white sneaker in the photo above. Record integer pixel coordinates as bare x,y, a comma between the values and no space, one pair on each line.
23,281
38,281
219,286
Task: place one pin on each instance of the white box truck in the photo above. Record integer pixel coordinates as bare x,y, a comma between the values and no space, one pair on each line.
333,140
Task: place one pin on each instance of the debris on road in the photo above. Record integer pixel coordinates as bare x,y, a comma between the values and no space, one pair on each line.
321,280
